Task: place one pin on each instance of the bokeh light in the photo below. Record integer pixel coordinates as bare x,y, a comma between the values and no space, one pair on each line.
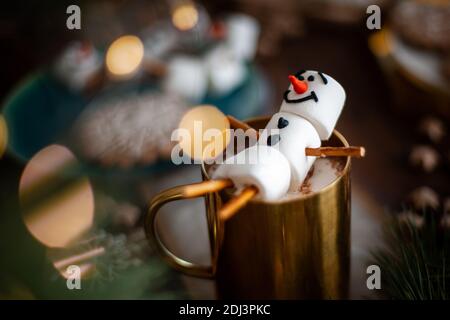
57,206
198,122
3,135
379,43
124,56
185,16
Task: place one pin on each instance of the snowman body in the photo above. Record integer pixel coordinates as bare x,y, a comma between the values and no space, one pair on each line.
291,134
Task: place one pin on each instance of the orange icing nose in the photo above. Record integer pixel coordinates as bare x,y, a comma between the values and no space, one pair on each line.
299,86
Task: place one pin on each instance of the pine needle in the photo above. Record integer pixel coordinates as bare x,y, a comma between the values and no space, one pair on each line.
414,263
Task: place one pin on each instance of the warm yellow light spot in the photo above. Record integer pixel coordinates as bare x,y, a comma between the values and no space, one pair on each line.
3,135
124,56
185,16
57,205
380,43
204,132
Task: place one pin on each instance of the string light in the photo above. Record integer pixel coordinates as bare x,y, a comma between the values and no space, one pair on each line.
57,206
185,16
124,56
207,132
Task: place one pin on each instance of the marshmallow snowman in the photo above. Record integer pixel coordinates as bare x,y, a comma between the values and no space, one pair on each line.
308,114
310,109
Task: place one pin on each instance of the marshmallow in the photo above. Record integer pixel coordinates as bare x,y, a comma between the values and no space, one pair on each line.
159,40
291,134
261,166
318,98
77,65
242,35
225,70
187,77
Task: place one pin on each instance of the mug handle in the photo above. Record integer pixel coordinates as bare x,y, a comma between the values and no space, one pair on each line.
189,268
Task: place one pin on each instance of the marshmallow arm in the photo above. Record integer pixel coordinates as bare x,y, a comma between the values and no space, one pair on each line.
261,166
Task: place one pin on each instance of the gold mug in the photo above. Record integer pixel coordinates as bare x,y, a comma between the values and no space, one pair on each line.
298,248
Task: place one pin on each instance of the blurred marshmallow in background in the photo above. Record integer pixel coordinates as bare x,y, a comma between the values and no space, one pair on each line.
218,70
242,35
187,77
159,40
226,71
77,65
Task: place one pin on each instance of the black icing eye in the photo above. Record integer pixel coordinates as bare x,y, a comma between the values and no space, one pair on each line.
273,139
311,78
301,78
282,123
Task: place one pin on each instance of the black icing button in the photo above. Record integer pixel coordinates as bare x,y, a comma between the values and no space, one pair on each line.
282,123
273,139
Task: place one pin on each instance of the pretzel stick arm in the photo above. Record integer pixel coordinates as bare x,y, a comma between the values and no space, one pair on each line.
238,124
237,202
199,189
358,152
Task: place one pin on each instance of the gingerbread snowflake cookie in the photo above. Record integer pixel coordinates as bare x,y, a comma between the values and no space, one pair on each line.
130,130
425,24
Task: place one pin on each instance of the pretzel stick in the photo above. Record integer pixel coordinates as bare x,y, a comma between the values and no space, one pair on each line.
238,124
358,152
201,188
231,207
237,202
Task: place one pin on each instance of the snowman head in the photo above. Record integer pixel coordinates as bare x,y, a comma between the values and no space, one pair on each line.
317,97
